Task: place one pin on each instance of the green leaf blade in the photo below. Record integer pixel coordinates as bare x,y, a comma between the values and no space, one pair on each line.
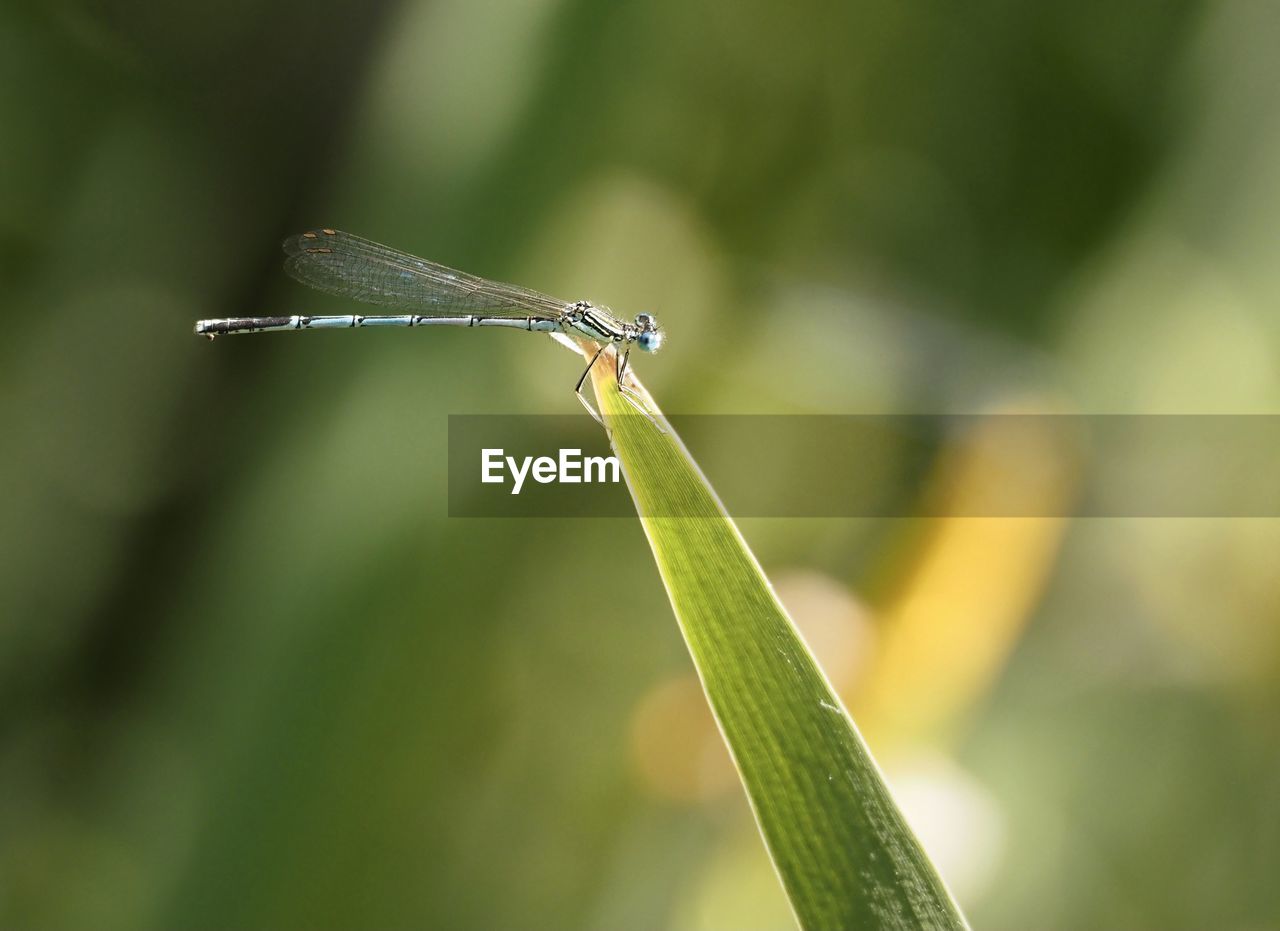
841,847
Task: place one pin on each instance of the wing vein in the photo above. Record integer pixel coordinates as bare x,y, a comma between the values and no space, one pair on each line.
348,266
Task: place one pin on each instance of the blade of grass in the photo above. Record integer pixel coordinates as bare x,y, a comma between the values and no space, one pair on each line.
844,853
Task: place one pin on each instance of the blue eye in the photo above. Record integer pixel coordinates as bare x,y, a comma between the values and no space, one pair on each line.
648,335
649,340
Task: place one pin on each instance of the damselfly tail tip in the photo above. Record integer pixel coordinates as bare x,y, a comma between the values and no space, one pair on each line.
205,328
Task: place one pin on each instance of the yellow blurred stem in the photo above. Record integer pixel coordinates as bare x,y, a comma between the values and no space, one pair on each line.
974,584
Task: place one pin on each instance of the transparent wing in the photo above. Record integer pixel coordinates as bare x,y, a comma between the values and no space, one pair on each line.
348,266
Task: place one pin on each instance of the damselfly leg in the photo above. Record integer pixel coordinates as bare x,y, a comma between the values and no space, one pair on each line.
631,396
577,389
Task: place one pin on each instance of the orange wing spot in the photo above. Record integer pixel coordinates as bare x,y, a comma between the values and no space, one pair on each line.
308,235
330,232
317,251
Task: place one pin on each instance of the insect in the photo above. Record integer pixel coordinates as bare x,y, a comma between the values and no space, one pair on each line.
425,293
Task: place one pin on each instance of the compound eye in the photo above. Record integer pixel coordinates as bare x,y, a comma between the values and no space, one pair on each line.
644,321
649,340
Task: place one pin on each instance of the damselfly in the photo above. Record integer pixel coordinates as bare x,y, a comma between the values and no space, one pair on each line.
428,294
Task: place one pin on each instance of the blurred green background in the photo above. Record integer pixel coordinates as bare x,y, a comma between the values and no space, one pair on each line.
253,676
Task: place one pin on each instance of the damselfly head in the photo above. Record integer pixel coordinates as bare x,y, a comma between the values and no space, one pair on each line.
649,337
